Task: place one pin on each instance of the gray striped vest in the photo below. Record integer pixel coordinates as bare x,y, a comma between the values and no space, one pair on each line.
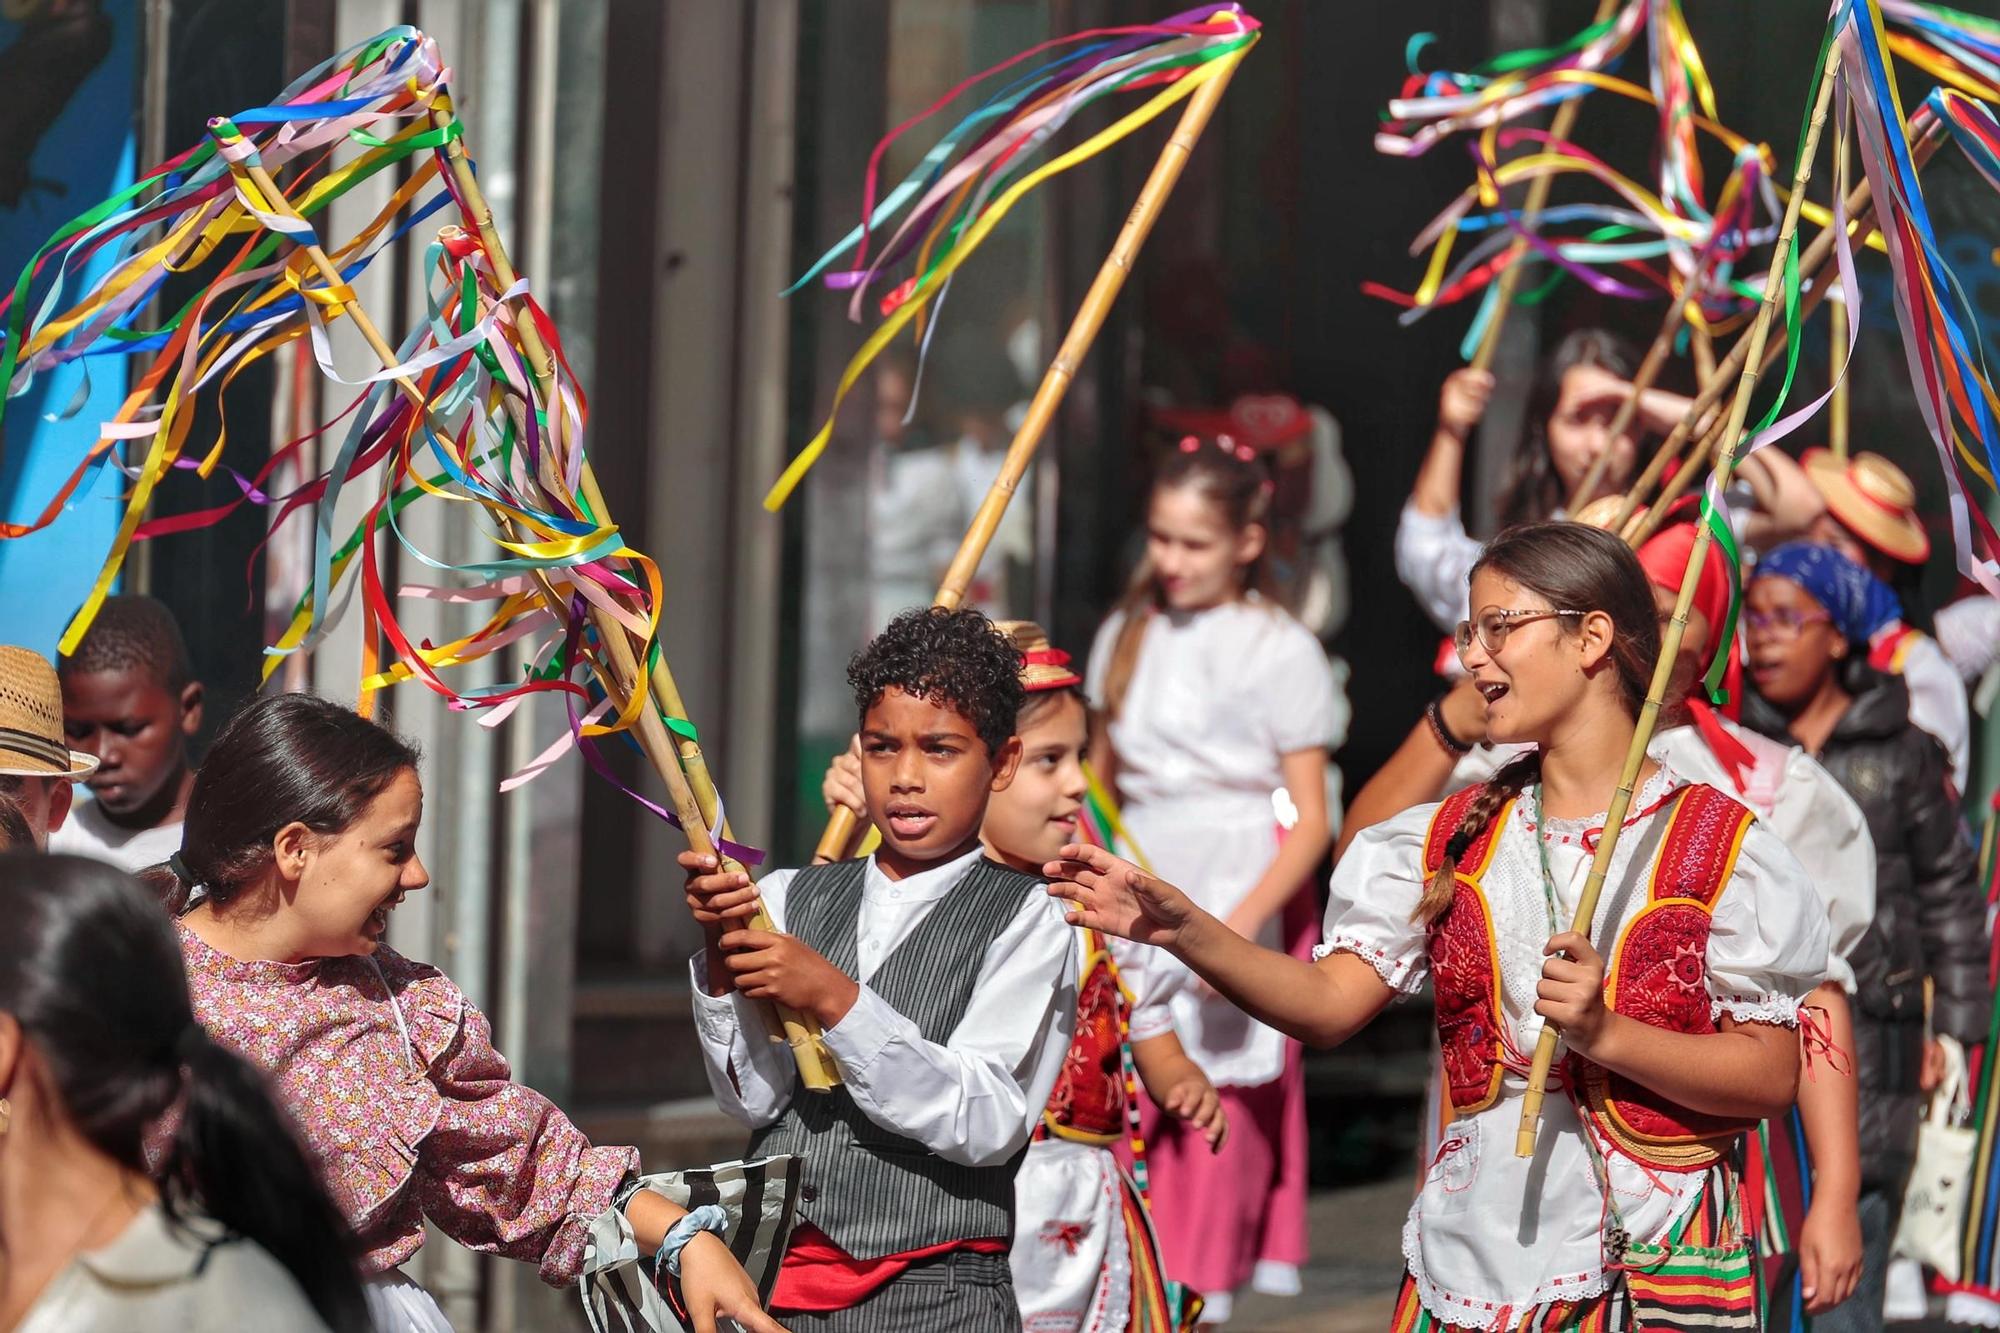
873,1191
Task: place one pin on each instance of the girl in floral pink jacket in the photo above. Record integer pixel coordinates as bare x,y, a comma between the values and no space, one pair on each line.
300,841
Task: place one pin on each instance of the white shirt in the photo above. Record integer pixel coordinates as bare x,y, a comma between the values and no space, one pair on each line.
1796,798
972,1100
1434,558
1491,1231
1969,633
88,833
1217,700
188,1276
1937,701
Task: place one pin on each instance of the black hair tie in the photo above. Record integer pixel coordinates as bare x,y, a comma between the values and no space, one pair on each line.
1456,846
181,871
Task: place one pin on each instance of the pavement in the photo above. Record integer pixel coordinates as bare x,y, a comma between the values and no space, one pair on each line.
1355,1270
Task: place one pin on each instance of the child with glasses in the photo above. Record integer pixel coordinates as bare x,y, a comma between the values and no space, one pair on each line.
1678,1007
1809,615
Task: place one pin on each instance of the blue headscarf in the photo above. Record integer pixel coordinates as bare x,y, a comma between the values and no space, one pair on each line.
1859,603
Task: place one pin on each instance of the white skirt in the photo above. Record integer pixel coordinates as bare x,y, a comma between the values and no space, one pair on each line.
398,1303
1072,1266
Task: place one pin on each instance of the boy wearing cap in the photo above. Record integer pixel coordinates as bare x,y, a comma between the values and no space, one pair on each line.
38,770
130,698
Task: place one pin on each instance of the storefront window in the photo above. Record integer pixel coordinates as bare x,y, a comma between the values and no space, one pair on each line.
921,440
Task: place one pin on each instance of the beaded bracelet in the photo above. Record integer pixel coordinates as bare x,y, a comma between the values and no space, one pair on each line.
1434,714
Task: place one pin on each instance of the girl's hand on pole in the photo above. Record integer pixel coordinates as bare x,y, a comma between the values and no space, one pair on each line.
1571,992
841,788
1462,401
1118,898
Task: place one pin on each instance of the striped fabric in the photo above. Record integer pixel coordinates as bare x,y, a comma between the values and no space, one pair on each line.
761,1198
872,1191
1778,1181
1699,1278
1603,1315
1158,1306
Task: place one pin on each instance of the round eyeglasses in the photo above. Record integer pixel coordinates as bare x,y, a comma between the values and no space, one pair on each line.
1493,624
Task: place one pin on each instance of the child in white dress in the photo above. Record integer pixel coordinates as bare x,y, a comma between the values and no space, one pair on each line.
1220,710
1678,1007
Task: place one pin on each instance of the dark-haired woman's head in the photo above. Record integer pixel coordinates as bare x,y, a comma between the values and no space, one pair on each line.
98,1043
303,820
1575,395
1562,619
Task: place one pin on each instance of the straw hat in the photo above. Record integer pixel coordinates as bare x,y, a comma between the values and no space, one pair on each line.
31,721
1599,513
1042,667
1875,501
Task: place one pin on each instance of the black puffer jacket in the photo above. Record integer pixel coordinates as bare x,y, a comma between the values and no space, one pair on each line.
1930,916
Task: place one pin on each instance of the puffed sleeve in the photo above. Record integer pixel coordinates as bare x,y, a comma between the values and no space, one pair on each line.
1298,699
1154,977
505,1171
1767,941
1374,896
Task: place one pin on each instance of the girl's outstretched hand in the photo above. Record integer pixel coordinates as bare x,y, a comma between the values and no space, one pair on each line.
1118,898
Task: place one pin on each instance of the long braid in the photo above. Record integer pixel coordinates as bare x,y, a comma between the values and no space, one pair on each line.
1512,779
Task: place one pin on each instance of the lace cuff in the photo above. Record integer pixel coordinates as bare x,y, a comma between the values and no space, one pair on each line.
1781,1010
1399,974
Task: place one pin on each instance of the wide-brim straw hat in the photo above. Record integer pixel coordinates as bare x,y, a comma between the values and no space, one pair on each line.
31,721
1599,513
1874,499
1042,667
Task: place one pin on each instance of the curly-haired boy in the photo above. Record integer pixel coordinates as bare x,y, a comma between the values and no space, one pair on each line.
945,982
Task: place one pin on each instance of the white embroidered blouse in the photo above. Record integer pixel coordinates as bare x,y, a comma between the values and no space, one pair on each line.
1492,1233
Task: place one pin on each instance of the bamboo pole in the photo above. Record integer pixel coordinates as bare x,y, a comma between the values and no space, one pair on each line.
1663,670
1649,370
841,829
1703,347
816,1064
1836,417
653,737
1561,126
1928,134
1698,457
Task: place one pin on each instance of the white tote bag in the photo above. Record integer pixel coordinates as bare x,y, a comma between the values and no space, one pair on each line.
1931,1231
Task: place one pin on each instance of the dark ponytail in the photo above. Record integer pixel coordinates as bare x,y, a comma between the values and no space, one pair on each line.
93,974
282,759
1515,776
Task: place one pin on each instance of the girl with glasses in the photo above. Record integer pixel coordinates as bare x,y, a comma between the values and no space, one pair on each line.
1678,1007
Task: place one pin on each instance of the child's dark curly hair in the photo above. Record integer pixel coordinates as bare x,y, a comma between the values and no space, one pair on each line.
956,658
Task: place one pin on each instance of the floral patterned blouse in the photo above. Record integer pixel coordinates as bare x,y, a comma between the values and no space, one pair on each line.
406,1107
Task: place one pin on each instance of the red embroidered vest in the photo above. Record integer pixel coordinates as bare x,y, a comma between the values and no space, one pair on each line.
1657,972
1088,1102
